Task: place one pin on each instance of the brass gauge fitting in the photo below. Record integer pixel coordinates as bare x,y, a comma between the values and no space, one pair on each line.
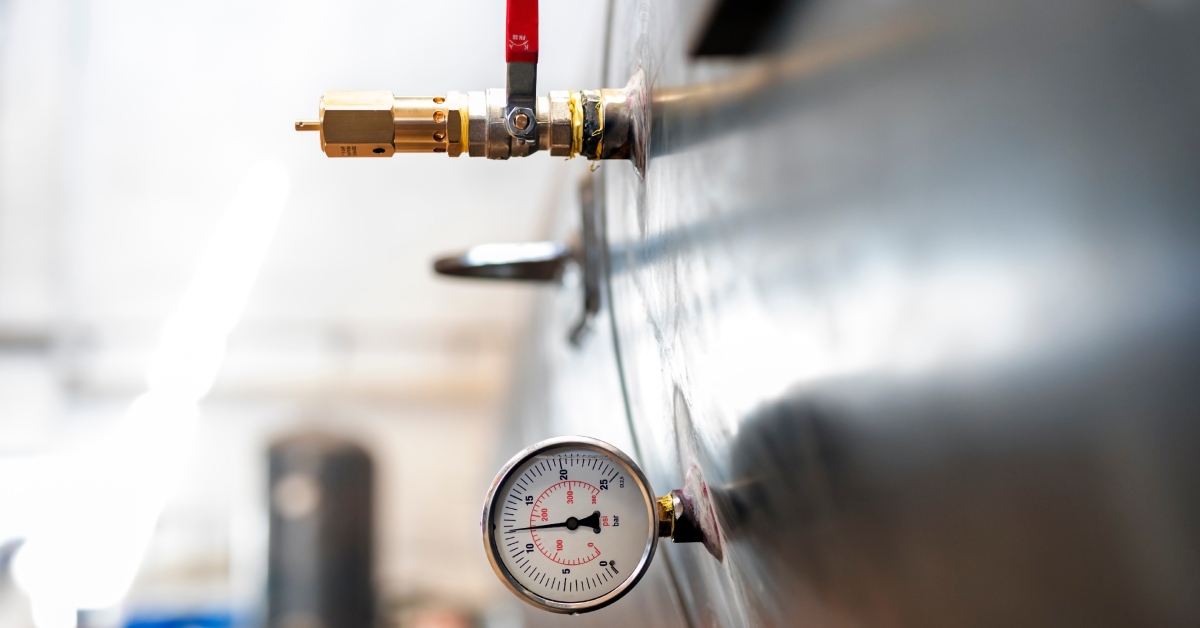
676,519
591,123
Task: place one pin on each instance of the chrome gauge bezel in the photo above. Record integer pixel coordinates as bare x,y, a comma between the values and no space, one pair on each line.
493,550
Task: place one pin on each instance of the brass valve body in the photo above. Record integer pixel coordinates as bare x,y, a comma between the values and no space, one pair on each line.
593,123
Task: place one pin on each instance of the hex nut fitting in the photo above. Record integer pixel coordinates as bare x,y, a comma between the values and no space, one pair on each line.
560,124
357,124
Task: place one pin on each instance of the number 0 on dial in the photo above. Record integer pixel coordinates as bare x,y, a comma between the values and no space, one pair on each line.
570,524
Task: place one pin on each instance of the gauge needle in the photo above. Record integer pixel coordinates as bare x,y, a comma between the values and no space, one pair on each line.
592,521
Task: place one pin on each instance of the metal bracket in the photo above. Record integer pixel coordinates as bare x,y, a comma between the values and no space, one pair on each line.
518,261
592,257
545,261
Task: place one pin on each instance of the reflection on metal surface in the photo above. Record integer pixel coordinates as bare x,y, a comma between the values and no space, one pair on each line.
738,27
929,293
764,90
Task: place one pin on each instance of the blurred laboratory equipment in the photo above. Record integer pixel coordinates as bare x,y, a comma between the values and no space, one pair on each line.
321,540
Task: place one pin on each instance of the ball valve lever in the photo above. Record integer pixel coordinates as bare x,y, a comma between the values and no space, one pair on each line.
521,58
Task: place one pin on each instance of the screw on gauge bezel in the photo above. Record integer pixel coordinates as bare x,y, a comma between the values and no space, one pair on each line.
493,551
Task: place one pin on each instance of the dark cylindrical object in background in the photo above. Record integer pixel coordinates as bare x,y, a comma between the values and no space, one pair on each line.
319,573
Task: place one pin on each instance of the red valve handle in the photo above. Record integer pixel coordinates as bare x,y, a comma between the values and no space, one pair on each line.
521,29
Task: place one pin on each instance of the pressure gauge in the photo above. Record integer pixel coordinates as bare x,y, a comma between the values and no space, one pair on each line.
570,524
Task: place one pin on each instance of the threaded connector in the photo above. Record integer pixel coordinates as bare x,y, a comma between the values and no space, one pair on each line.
594,124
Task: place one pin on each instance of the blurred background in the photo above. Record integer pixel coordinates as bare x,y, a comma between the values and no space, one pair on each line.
908,291
130,131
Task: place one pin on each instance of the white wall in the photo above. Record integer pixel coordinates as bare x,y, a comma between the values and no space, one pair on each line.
125,128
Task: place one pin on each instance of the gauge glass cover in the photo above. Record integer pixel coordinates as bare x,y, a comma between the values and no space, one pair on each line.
570,524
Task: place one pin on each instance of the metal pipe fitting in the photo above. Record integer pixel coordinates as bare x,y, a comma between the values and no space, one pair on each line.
592,123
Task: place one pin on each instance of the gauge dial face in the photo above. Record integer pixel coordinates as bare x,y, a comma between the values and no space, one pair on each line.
570,524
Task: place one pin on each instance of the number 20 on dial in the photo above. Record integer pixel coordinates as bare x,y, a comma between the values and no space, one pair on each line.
570,524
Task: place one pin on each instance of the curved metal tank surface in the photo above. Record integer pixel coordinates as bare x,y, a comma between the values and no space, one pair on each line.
915,297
